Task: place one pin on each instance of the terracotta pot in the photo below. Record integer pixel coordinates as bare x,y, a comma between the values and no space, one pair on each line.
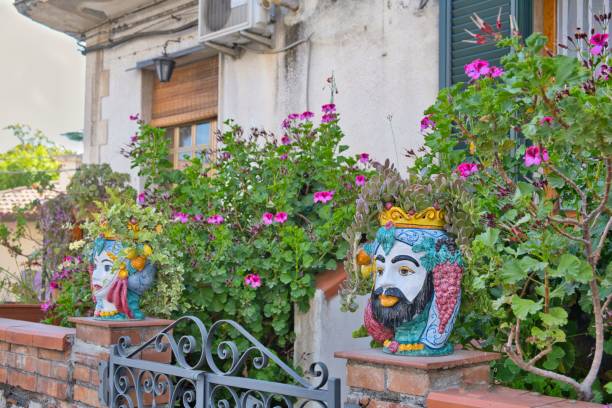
21,311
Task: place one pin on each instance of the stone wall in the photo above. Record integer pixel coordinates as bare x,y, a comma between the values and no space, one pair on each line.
56,367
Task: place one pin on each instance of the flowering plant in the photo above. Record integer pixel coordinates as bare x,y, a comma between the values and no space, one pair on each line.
256,219
538,164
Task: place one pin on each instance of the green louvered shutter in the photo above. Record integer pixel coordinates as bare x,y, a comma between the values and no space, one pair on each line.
455,19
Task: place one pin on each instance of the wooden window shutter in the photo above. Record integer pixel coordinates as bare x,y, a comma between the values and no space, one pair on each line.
455,19
191,95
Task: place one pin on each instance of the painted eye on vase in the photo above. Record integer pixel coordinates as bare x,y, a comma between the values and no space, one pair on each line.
405,271
107,268
380,270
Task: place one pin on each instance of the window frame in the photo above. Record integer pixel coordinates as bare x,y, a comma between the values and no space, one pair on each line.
176,150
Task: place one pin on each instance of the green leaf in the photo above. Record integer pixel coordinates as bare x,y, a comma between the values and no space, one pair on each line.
489,237
554,358
572,268
556,316
524,307
512,272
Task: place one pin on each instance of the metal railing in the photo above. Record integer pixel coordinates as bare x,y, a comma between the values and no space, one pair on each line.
197,377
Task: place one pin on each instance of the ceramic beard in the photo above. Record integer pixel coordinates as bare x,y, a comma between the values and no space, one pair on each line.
117,291
417,277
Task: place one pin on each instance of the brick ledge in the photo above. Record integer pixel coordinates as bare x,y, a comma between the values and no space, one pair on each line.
36,334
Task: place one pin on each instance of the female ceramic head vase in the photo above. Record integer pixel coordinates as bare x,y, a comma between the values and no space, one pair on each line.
117,291
416,292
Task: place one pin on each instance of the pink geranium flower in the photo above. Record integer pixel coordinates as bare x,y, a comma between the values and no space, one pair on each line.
427,123
534,155
215,219
466,169
496,72
323,196
141,199
253,280
328,108
364,157
477,68
198,217
180,217
267,218
280,217
599,41
306,115
546,120
286,140
283,156
45,307
135,116
360,180
328,117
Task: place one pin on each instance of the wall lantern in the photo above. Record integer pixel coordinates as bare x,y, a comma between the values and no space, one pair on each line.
164,65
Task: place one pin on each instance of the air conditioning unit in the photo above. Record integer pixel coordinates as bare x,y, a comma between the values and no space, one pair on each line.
231,22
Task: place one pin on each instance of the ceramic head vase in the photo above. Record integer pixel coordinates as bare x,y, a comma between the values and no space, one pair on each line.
117,290
416,291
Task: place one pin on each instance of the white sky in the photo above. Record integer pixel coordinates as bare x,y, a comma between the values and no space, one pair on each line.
42,79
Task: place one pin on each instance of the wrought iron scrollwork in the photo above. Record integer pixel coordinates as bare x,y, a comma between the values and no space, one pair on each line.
207,370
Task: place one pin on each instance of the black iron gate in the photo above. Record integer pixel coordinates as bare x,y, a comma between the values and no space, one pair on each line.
196,377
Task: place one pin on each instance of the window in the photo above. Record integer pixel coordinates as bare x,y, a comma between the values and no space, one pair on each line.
189,140
455,19
573,14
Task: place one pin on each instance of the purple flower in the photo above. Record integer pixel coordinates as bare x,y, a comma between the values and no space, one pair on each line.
253,280
477,68
307,115
135,117
286,124
134,138
496,72
328,108
215,219
293,116
53,285
427,123
198,217
599,41
360,180
180,217
286,140
466,169
534,155
141,199
364,157
283,156
323,196
267,218
45,307
280,217
328,117
603,72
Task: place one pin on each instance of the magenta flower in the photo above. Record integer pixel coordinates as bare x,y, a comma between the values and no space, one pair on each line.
599,41
45,307
198,217
286,140
253,280
267,218
427,123
280,217
534,155
328,108
393,346
293,116
134,138
135,117
53,285
283,156
360,180
477,68
323,196
180,217
306,115
546,120
364,157
496,72
466,169
141,199
603,72
215,219
286,124
328,117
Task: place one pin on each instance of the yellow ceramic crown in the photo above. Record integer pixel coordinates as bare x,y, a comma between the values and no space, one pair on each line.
429,218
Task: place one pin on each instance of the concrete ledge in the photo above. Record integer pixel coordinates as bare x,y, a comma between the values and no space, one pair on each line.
147,322
457,359
36,334
499,397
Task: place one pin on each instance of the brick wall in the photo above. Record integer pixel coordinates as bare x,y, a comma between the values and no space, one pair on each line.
55,367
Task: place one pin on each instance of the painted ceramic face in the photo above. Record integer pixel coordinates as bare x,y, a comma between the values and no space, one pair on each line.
399,269
101,280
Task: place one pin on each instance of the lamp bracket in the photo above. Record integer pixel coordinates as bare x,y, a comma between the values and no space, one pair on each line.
232,52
